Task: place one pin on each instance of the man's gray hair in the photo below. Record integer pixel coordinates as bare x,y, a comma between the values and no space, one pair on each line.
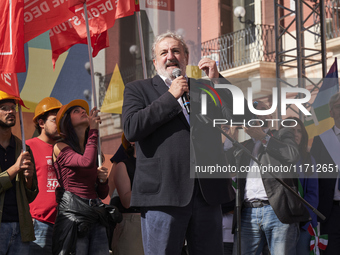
333,100
168,34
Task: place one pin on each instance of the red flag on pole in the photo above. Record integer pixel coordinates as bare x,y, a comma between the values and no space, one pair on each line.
102,15
42,15
125,8
12,57
9,84
64,36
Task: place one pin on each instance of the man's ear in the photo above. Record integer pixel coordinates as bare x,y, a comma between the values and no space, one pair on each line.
41,123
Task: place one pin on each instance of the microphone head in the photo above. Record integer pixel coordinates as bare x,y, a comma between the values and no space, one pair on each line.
176,72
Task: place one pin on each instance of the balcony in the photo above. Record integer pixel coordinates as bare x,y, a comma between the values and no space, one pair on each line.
332,20
332,15
250,45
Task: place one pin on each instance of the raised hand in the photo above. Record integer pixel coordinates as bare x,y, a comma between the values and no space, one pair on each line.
94,119
209,67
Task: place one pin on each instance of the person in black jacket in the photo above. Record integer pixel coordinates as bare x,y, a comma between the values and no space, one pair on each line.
174,206
270,213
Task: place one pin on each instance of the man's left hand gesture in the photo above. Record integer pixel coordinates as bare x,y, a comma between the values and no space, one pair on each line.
209,67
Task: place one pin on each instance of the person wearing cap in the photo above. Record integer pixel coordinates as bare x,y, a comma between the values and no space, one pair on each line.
80,226
127,236
18,184
44,208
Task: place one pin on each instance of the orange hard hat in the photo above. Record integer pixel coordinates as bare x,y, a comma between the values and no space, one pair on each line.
64,108
4,96
45,105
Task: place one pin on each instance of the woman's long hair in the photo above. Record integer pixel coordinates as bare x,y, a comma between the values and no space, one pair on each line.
303,146
69,135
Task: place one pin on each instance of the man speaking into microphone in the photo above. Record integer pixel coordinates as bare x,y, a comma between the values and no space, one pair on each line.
174,207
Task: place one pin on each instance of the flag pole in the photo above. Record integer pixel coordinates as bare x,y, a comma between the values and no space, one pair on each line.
141,42
22,128
94,96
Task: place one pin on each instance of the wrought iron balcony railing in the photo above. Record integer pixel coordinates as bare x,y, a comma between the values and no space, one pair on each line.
252,44
332,19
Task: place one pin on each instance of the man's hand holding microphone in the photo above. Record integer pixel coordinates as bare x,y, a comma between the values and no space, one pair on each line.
180,88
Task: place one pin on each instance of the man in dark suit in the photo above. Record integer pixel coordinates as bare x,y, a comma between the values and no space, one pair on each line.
270,213
174,206
325,150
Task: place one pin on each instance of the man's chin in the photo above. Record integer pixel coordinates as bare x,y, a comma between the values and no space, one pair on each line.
54,137
166,74
7,124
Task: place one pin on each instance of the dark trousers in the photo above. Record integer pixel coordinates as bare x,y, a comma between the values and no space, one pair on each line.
332,228
165,228
228,248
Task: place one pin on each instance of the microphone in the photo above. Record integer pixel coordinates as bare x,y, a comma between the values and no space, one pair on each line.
177,73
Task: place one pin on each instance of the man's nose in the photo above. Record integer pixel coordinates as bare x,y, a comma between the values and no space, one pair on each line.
170,55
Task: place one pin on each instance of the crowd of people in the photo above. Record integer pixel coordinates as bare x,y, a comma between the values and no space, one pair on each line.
51,193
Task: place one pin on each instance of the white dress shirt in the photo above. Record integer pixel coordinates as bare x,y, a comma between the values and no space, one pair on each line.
254,189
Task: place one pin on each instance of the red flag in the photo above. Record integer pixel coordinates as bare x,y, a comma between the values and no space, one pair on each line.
12,57
125,8
64,36
9,84
101,14
99,42
42,15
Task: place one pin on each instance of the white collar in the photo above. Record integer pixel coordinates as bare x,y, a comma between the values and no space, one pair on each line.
167,81
336,130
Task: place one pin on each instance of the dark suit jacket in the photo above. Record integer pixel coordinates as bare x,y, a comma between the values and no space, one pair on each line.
153,118
281,150
326,186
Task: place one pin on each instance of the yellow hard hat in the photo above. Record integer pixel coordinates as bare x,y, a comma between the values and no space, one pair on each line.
64,108
45,105
4,96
